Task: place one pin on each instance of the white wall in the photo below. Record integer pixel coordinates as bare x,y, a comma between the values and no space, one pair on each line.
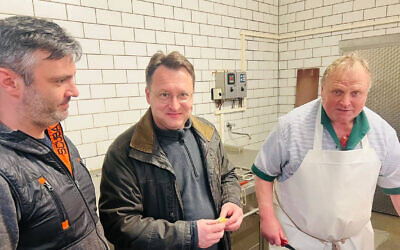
118,39
320,49
119,36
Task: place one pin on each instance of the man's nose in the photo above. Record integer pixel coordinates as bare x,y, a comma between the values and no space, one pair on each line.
174,103
72,90
346,100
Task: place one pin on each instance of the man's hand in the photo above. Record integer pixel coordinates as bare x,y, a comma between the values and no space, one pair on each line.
271,230
209,232
234,215
396,202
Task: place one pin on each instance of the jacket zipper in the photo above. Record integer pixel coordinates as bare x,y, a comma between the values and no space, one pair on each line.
64,168
57,201
196,174
178,195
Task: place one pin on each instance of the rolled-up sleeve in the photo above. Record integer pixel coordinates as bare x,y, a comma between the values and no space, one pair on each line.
270,159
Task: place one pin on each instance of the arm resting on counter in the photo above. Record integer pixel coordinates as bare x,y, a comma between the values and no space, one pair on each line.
396,202
270,228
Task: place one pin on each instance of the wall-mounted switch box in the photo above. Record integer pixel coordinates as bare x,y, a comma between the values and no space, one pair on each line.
241,84
233,84
216,94
227,82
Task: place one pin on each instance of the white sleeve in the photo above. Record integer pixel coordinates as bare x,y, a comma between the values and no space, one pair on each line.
390,173
272,155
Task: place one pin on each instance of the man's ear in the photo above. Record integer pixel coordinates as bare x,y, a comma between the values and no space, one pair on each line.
147,95
10,82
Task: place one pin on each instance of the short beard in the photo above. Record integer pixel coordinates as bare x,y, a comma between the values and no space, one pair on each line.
39,111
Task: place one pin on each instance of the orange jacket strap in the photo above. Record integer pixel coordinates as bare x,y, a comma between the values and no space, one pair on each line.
59,145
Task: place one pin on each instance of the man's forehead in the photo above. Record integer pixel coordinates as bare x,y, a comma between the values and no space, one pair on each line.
357,71
351,66
43,55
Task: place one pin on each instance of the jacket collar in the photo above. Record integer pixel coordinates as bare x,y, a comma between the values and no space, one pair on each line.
19,141
203,128
144,135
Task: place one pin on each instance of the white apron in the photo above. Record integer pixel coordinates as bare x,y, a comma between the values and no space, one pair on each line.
329,198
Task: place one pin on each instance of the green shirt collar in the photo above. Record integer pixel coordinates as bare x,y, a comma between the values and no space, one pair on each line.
359,130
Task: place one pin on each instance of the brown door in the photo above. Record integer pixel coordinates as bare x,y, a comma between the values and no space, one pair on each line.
307,85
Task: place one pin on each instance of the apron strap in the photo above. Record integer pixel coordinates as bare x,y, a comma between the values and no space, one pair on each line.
365,142
336,245
318,130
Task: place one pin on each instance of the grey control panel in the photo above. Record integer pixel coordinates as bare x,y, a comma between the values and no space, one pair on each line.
229,85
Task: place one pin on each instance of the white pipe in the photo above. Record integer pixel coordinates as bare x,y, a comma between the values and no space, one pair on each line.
227,111
260,34
242,53
296,34
220,112
316,31
253,211
221,127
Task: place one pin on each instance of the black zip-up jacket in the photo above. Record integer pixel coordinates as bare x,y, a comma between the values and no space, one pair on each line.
38,195
140,204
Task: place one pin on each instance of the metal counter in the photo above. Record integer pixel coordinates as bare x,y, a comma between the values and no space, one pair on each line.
248,236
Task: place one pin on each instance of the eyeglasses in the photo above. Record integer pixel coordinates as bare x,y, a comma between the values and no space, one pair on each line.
166,97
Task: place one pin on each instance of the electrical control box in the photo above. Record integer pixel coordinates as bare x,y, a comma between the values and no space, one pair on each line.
226,81
216,94
230,84
241,90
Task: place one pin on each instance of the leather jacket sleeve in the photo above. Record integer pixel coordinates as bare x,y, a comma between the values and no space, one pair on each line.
8,217
122,211
229,180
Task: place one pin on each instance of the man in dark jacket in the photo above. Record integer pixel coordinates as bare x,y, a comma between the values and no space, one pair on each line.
167,179
47,199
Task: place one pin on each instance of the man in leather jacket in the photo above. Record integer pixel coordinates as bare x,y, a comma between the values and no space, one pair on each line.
47,199
167,179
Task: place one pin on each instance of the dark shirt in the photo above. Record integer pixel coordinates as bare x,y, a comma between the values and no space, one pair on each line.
46,141
183,153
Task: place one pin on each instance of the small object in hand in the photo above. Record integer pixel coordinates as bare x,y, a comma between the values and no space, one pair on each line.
221,219
243,182
284,243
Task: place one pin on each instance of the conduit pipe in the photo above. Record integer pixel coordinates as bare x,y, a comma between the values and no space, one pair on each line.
266,35
245,33
340,27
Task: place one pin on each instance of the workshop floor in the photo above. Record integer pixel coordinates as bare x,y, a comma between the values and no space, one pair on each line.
386,227
387,231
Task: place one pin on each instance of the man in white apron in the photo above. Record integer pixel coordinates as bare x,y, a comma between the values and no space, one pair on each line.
327,157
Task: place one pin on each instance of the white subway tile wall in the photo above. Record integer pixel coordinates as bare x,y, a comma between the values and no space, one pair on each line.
118,38
321,49
22,7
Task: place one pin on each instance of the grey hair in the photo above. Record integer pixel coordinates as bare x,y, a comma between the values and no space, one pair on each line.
346,62
173,60
21,36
